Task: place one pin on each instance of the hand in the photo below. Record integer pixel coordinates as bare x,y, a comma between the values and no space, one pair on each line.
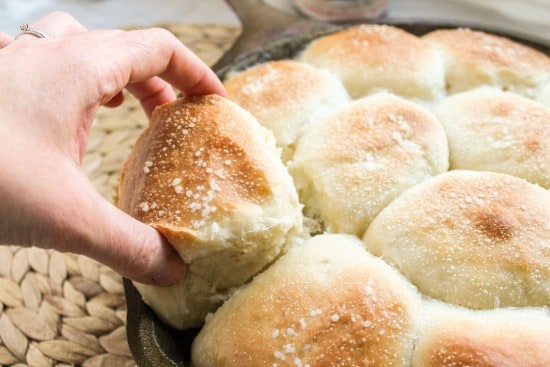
50,91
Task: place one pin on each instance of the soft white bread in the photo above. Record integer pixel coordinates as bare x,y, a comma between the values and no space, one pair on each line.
370,58
544,96
208,176
474,58
491,130
285,96
327,302
474,239
349,166
457,337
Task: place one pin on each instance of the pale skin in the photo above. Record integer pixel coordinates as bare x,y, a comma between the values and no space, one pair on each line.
50,92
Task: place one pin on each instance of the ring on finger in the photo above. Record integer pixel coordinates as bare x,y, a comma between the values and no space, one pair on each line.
25,29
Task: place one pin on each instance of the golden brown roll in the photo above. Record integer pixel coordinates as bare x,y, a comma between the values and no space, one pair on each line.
475,58
285,96
457,337
372,58
474,239
208,176
491,130
327,302
349,166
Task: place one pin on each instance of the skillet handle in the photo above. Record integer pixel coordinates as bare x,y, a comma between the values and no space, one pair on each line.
261,25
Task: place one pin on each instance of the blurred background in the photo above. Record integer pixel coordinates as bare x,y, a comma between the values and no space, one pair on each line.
526,16
117,13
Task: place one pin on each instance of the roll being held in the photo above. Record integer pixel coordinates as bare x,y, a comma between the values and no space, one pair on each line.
327,302
474,239
208,176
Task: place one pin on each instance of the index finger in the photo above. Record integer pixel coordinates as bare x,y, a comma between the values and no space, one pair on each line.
140,55
5,39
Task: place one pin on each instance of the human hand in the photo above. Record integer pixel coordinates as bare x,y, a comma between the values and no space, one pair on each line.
50,91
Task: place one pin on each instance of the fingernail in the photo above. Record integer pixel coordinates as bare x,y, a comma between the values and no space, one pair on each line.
172,273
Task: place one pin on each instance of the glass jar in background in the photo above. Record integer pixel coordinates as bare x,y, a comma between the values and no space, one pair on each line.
341,10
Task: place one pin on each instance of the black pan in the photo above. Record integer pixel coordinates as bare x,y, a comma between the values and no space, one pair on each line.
267,34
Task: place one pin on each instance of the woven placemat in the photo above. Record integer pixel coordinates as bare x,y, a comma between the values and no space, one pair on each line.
60,309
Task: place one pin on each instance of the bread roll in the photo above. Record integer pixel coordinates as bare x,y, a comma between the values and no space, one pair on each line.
456,337
327,302
475,58
351,165
544,96
474,239
210,179
370,58
285,96
491,130
459,274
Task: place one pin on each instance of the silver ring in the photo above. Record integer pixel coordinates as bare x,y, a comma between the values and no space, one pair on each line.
25,29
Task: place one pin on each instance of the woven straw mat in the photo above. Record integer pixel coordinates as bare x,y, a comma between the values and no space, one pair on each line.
62,309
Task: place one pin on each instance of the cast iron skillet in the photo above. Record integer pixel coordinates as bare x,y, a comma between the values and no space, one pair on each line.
267,34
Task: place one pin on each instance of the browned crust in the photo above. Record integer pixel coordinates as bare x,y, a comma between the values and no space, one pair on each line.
194,162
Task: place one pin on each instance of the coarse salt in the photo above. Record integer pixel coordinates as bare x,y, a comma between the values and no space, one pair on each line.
289,348
291,332
316,312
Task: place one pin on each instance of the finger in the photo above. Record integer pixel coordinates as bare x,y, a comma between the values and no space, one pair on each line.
70,215
143,54
55,25
112,237
116,101
5,39
135,250
152,93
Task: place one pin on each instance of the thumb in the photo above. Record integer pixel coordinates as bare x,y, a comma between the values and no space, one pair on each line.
133,249
47,200
90,225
